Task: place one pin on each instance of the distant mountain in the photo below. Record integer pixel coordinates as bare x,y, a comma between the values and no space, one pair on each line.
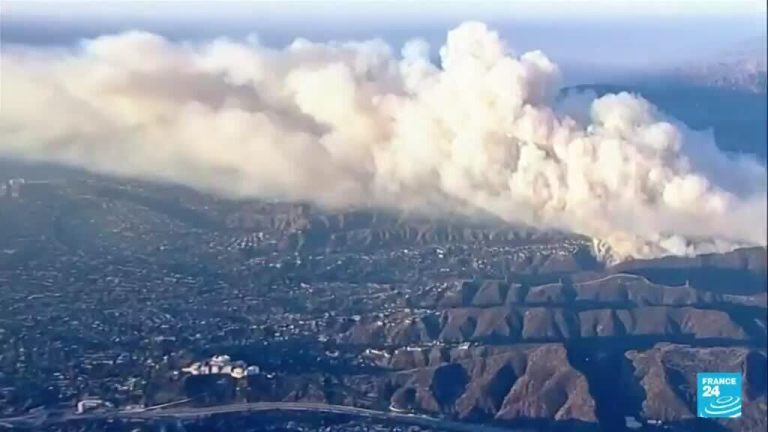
725,93
736,116
742,67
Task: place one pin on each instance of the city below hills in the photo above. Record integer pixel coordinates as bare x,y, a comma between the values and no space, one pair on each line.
118,294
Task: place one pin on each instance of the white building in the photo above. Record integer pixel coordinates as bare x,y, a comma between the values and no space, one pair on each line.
90,404
221,364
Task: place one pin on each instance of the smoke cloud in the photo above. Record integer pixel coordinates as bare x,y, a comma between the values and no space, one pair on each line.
357,124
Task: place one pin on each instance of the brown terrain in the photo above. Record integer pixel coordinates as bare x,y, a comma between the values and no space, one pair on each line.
561,338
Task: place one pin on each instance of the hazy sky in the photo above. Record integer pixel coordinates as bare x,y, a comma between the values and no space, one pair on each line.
521,8
611,33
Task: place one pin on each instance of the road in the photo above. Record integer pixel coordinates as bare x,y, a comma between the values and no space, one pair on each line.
189,413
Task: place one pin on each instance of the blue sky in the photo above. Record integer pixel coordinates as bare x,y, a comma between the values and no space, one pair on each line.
522,8
612,34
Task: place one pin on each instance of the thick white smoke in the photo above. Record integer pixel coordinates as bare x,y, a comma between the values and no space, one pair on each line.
350,124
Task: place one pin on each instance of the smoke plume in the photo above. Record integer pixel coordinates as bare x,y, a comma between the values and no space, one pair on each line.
356,124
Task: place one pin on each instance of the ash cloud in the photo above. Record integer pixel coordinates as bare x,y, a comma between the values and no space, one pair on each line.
352,124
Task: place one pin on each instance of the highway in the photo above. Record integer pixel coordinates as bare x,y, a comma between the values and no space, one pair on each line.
190,413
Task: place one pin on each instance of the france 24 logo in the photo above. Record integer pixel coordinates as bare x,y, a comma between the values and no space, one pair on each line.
718,395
